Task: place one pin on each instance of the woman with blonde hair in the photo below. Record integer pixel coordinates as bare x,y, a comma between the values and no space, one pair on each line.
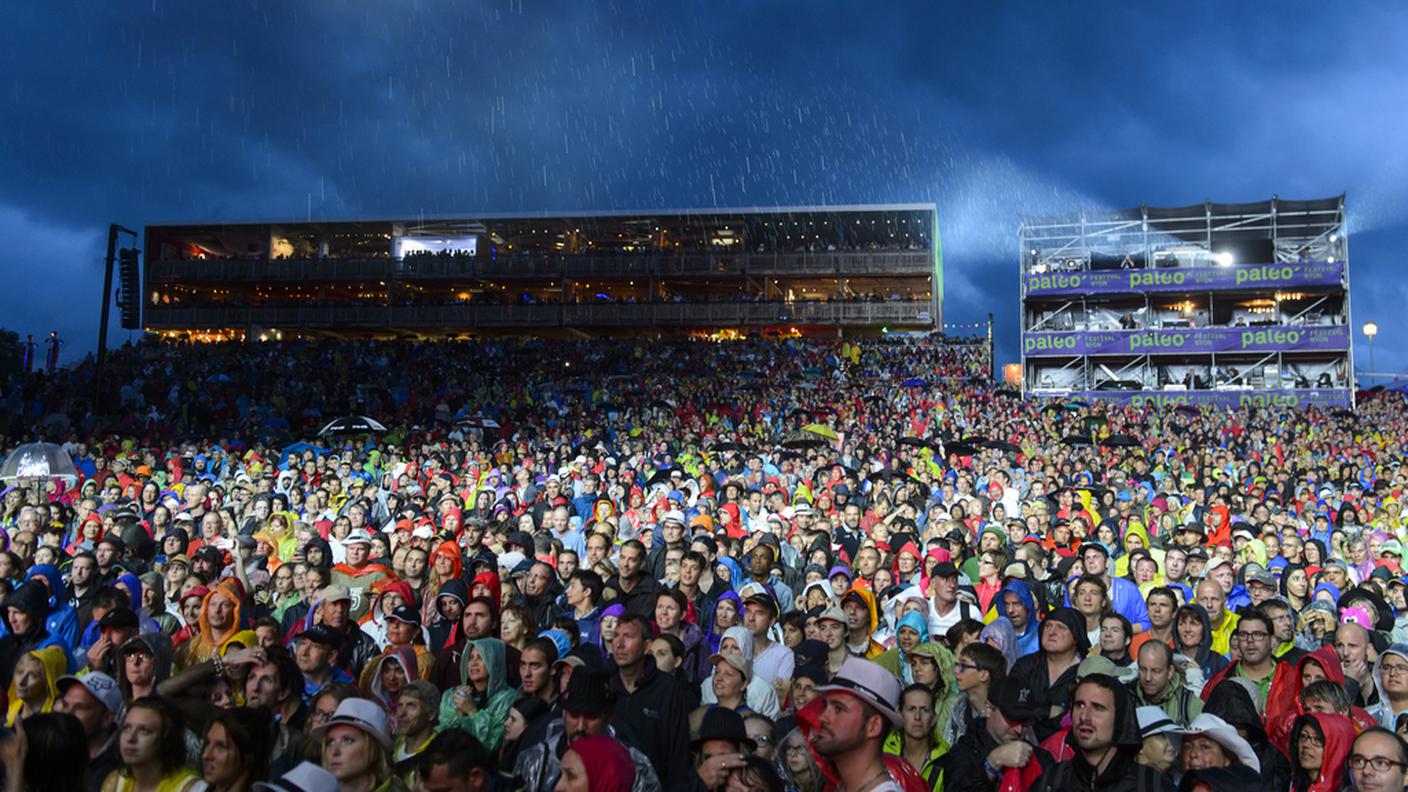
357,748
32,688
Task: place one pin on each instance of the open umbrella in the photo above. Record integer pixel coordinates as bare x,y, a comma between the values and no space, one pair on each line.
1001,445
914,441
38,462
912,382
351,425
1007,393
1186,409
888,474
1121,441
800,440
821,430
299,448
728,446
477,422
960,448
1077,440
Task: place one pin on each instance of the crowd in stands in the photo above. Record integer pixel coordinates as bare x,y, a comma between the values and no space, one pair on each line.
843,564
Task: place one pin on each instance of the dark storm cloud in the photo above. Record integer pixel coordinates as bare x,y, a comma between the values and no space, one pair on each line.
241,110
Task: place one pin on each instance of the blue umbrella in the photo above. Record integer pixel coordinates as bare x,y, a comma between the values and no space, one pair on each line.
299,448
912,382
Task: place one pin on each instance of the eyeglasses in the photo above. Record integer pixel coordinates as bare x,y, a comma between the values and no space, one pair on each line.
968,666
1308,737
797,748
1395,668
763,739
1259,635
1381,764
318,716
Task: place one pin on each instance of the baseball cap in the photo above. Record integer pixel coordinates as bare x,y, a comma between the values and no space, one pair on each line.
405,613
335,593
101,686
832,613
119,618
1261,576
743,664
758,594
945,569
870,683
1016,702
323,634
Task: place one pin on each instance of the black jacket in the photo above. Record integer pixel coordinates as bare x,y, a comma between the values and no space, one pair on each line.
1231,702
963,764
1121,775
1030,671
640,600
657,712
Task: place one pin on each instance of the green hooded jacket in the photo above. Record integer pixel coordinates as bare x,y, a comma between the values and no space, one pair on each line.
486,723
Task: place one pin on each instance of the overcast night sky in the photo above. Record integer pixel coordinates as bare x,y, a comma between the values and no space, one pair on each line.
159,111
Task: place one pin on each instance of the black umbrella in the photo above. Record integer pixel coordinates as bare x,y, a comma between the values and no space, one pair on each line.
351,425
1077,440
914,441
1001,445
1007,393
801,440
975,440
960,448
728,446
1186,409
1340,412
888,474
1121,441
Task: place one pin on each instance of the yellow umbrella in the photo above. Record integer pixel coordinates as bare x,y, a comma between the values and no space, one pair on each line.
821,430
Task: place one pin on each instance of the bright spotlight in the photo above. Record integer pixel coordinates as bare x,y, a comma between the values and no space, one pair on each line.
1223,259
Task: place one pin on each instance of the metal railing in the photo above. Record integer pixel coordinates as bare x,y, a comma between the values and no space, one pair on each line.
418,268
574,315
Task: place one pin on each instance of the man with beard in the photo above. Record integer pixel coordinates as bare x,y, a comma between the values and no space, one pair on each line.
588,709
1106,738
540,590
83,587
649,703
217,625
858,711
635,588
672,529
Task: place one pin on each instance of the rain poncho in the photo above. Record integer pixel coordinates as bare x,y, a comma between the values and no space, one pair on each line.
486,722
759,696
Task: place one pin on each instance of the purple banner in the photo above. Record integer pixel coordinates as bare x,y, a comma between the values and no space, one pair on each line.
1140,281
1270,338
1290,399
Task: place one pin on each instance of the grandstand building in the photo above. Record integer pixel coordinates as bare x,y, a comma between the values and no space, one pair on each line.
1230,304
811,270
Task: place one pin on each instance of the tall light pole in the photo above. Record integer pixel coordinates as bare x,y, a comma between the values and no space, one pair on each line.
1371,329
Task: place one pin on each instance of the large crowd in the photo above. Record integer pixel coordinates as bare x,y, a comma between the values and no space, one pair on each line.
763,564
